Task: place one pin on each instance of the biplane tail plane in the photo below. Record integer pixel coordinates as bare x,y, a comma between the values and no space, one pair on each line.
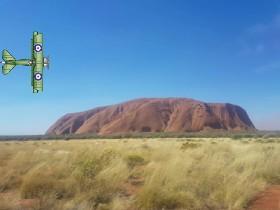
8,61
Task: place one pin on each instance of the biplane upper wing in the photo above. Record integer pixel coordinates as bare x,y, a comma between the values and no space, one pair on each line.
38,62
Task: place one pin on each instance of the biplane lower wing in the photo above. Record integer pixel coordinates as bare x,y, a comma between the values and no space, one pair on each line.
37,79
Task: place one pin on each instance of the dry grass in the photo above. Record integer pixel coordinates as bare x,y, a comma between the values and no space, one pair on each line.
152,174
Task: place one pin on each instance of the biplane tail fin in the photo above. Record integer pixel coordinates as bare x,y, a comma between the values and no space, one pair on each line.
8,62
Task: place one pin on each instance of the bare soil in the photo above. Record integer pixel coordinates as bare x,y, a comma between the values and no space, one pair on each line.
267,200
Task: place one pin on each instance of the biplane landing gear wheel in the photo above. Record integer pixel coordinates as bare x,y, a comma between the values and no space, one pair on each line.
38,47
38,76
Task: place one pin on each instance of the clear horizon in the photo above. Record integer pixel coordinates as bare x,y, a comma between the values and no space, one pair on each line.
107,52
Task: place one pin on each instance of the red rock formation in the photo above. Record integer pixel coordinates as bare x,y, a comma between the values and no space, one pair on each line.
155,115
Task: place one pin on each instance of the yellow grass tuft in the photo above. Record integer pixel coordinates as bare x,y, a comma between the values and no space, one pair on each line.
131,174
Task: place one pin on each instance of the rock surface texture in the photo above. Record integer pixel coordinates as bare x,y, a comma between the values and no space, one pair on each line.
154,115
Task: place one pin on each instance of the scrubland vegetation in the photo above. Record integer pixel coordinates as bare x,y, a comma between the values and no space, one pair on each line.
127,174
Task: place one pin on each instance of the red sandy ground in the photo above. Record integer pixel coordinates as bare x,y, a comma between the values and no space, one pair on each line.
13,200
267,200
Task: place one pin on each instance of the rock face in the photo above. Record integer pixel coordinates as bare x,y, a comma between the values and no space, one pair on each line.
154,115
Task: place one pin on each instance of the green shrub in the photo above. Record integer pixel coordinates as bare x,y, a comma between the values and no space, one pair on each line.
39,186
134,160
189,145
157,199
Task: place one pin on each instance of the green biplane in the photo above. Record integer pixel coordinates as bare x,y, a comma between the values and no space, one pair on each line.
37,62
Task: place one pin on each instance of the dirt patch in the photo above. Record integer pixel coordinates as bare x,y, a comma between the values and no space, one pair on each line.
267,200
134,182
11,200
27,204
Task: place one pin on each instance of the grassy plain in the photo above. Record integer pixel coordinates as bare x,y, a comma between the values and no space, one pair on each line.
137,174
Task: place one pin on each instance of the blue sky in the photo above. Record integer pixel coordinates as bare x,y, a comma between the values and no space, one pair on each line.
109,51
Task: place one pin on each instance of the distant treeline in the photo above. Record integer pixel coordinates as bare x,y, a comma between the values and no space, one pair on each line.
204,134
